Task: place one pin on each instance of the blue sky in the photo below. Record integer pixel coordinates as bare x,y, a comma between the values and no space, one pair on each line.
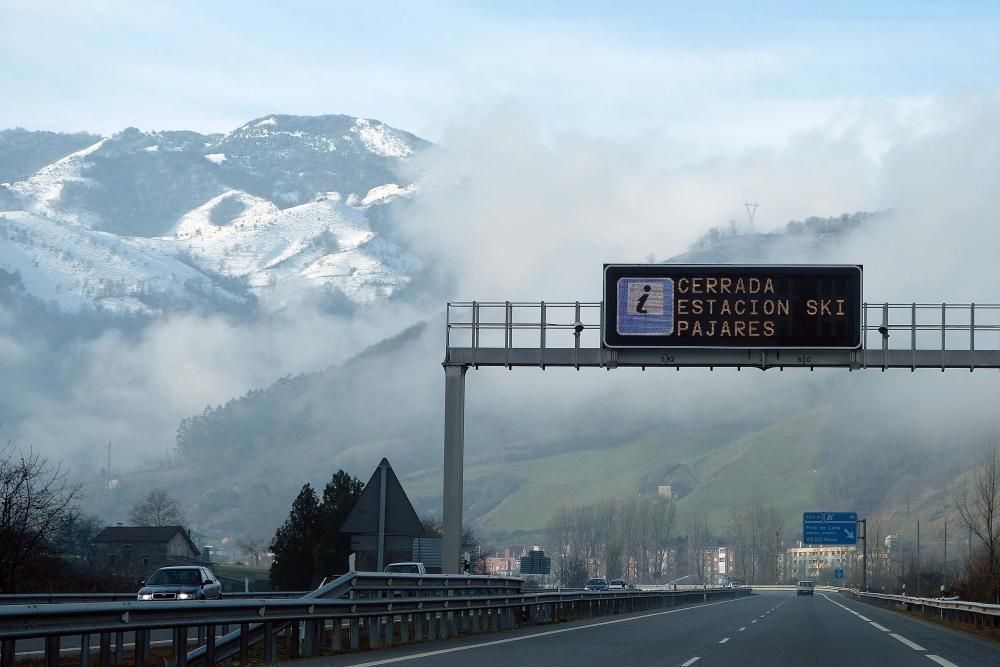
728,75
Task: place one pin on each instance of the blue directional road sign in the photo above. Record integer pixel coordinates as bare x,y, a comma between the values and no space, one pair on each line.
838,573
830,528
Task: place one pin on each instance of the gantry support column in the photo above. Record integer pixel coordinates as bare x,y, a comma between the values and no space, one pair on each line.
454,455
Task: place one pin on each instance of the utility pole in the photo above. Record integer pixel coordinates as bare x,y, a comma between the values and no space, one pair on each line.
944,576
863,534
918,559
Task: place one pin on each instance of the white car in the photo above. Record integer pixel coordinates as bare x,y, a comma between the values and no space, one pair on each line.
405,568
804,588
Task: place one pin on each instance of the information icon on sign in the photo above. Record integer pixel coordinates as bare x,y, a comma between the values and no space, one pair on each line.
645,306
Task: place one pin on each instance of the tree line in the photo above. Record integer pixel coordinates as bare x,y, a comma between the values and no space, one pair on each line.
613,538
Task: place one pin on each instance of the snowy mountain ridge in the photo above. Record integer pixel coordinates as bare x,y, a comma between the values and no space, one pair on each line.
152,222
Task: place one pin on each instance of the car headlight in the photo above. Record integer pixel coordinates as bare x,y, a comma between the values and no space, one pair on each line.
145,596
185,596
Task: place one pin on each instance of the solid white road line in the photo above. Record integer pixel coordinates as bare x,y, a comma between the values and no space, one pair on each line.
427,654
724,640
941,661
880,627
915,647
691,661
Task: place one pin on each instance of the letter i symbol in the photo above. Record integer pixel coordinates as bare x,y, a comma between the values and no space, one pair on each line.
639,307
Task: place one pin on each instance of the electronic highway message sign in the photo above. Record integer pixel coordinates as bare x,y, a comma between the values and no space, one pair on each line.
730,306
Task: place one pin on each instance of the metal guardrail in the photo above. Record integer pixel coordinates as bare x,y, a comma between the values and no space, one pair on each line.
894,335
64,598
373,609
974,613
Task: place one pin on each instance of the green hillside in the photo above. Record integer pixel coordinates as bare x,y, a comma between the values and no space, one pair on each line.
775,464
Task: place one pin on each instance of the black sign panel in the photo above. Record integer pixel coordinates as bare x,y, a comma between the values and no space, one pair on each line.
754,306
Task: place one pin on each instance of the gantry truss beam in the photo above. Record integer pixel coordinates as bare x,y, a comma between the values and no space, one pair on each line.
567,334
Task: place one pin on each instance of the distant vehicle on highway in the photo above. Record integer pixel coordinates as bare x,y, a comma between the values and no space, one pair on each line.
184,582
596,584
617,585
804,588
406,568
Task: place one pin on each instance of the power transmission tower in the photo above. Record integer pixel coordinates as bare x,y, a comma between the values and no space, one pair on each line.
751,211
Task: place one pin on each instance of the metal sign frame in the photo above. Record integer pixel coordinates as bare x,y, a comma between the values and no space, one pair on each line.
567,334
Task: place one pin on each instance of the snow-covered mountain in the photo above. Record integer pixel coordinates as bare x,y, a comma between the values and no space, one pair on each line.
159,221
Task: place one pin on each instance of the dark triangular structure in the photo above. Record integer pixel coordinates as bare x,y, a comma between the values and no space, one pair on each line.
400,525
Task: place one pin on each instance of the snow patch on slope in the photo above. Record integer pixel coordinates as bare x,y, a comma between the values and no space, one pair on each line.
324,241
383,194
75,267
379,139
42,191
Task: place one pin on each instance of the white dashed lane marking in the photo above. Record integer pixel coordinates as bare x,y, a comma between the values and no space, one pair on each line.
915,647
726,639
691,661
941,661
880,627
742,629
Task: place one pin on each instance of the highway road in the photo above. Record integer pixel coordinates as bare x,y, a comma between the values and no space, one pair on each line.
769,628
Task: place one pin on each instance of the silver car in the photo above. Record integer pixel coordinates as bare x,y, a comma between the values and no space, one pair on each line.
186,582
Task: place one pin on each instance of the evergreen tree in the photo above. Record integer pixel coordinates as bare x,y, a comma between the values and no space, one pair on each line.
295,545
309,545
339,497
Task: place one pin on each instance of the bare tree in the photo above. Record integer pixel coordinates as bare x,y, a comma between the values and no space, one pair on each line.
696,524
663,517
158,509
253,547
37,507
979,511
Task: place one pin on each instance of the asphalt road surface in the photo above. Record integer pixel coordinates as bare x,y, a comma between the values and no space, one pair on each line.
769,628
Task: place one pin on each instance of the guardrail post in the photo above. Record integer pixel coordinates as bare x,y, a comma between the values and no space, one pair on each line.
52,651
270,646
140,647
389,628
355,632
334,635
418,627
307,639
244,643
84,650
404,629
104,657
180,646
7,652
291,635
209,644
119,647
